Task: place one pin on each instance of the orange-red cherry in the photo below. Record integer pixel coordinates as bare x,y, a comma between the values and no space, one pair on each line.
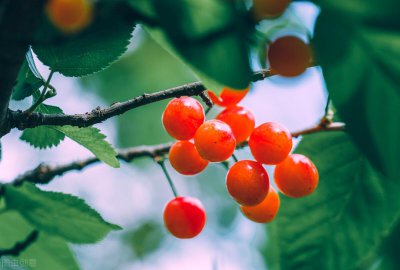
263,9
228,96
247,182
240,119
270,143
289,56
184,217
70,16
296,176
182,117
185,159
266,210
214,140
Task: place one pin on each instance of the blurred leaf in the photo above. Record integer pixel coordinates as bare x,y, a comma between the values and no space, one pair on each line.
211,35
377,11
26,84
57,213
145,239
92,139
90,51
347,216
46,253
360,66
145,7
43,136
147,69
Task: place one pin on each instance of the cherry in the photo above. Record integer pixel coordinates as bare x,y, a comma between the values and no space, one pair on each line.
241,121
184,217
296,176
182,117
270,143
268,8
70,16
266,210
289,56
228,96
185,159
247,182
215,141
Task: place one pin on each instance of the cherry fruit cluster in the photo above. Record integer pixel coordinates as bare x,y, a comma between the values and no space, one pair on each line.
201,141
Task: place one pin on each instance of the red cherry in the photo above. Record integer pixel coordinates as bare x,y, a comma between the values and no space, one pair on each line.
215,141
240,119
270,143
296,176
266,210
268,8
289,56
247,182
184,217
228,96
185,159
182,117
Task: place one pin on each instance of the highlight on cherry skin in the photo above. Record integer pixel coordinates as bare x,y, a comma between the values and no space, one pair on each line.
70,16
241,121
182,117
270,143
184,217
214,140
228,96
296,176
247,182
265,211
289,56
185,158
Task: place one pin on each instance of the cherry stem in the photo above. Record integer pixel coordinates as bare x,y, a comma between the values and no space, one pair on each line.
235,158
171,184
42,95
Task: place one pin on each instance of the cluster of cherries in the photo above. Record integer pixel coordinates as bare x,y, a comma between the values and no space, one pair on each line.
200,142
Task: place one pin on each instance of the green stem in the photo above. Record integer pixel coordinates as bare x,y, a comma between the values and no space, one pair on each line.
328,105
42,95
171,184
235,158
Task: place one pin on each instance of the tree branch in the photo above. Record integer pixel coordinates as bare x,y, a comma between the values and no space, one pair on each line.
18,20
20,246
17,119
43,174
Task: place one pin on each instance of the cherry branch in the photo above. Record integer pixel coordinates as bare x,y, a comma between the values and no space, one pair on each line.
20,120
20,246
43,174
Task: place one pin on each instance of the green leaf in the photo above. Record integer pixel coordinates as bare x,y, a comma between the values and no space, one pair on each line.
145,7
59,214
93,140
360,66
46,253
27,83
43,136
91,50
347,216
211,35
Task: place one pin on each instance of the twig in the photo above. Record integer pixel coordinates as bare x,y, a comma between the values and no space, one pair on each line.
20,120
20,246
43,174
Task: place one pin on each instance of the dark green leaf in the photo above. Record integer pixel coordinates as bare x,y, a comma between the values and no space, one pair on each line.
92,50
343,220
92,139
360,66
57,213
27,83
211,36
46,253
